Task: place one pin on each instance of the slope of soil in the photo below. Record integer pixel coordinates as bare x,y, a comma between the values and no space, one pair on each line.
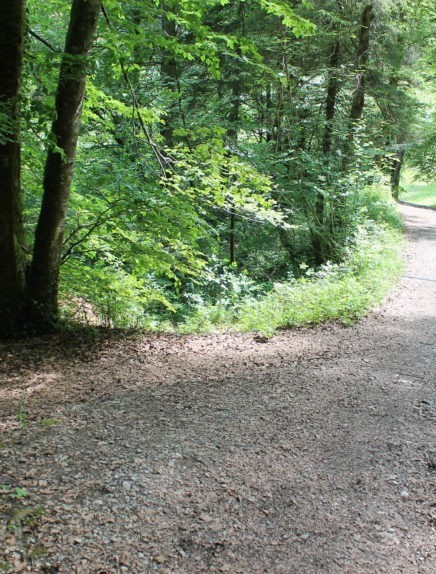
312,452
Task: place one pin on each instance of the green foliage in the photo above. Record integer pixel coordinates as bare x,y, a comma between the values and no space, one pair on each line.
107,294
422,155
416,191
211,304
300,26
342,291
17,492
212,131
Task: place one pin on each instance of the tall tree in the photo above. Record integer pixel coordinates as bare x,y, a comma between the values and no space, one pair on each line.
12,13
169,77
320,236
32,300
358,98
43,282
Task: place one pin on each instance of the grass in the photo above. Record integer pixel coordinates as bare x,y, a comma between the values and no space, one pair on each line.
335,292
342,292
419,192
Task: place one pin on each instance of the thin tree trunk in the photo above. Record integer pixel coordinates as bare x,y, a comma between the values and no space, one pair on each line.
318,238
356,111
268,113
358,101
12,263
332,92
362,61
169,79
44,272
233,128
397,164
232,134
232,239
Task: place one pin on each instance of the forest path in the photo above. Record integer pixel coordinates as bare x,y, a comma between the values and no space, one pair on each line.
311,453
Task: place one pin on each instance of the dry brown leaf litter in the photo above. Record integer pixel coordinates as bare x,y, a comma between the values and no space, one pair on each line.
311,453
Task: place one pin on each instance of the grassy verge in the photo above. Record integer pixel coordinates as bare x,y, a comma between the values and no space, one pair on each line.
419,192
232,301
342,292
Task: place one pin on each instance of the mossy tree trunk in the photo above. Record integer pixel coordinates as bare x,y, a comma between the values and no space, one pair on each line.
12,263
43,280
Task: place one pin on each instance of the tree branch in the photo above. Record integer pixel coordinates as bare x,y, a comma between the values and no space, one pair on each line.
43,41
163,160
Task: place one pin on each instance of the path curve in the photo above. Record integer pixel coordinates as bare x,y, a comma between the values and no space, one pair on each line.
312,453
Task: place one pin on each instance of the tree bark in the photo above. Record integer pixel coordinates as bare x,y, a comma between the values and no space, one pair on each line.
232,135
42,293
332,92
12,263
233,130
232,238
318,235
358,101
356,111
168,71
397,164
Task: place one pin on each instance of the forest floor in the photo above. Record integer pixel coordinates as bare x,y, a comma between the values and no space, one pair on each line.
313,452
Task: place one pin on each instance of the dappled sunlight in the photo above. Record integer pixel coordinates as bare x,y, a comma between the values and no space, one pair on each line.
216,334
315,441
18,388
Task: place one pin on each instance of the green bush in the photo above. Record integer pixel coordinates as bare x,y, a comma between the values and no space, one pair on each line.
341,292
227,298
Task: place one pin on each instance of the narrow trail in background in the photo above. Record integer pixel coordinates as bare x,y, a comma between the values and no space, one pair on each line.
311,453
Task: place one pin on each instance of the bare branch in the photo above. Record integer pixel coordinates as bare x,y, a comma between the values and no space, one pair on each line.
43,41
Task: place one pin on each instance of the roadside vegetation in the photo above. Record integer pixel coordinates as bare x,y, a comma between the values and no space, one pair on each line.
417,191
228,299
333,292
197,165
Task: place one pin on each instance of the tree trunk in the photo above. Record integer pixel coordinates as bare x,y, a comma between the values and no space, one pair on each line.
397,164
356,111
232,135
319,233
12,263
332,92
358,101
233,128
42,292
168,71
232,239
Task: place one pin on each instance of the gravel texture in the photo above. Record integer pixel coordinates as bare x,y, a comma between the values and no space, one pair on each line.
313,452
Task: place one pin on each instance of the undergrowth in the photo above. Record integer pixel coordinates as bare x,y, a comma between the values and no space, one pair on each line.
416,191
342,292
226,298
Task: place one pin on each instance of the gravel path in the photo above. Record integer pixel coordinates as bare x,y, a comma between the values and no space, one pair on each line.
311,453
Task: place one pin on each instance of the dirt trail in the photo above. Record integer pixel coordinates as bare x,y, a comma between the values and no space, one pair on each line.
312,453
